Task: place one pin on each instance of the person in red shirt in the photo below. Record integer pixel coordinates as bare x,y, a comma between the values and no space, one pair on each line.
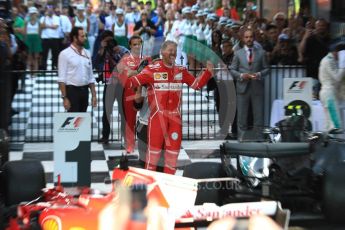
231,12
164,80
131,61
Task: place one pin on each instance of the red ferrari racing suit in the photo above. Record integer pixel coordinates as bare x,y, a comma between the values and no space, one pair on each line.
132,62
164,91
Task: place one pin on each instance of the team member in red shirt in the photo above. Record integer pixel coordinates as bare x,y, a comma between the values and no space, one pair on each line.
164,80
131,61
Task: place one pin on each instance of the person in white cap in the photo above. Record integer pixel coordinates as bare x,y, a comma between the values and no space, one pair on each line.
193,53
201,38
32,39
111,19
81,21
178,32
93,31
145,29
210,21
131,18
120,28
187,31
65,27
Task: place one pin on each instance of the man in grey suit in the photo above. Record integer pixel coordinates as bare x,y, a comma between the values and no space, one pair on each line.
249,67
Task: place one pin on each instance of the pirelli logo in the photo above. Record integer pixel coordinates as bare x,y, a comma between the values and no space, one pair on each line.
160,76
168,86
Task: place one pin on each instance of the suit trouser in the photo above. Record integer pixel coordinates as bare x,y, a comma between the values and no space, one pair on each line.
130,117
54,45
256,99
78,96
164,134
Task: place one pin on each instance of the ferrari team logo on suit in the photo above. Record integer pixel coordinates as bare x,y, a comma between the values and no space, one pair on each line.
178,76
161,76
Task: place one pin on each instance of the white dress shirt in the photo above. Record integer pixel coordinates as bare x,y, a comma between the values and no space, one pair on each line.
74,68
49,32
65,25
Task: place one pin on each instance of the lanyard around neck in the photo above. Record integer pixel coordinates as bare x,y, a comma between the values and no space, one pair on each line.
80,54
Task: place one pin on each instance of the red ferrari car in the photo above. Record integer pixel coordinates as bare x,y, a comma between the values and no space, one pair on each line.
136,192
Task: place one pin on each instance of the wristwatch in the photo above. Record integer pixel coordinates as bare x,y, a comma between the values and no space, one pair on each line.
63,97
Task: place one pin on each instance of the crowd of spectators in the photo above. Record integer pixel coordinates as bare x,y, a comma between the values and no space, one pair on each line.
286,40
200,31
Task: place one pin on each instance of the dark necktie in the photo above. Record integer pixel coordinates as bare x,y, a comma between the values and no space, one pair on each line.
250,57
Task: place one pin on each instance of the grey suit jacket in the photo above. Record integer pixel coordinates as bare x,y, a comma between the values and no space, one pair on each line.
240,65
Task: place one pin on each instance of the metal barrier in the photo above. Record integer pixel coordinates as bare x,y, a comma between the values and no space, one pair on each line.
38,98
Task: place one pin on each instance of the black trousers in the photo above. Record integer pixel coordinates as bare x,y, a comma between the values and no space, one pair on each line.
116,94
142,142
78,96
5,100
54,45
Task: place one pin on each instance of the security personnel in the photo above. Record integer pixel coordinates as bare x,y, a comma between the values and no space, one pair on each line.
76,75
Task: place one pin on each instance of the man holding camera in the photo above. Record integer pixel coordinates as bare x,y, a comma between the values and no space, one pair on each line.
105,59
76,75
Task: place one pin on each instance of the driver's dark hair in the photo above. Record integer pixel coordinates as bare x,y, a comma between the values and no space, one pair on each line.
133,38
74,32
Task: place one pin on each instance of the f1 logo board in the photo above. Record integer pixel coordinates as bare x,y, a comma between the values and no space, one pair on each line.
72,148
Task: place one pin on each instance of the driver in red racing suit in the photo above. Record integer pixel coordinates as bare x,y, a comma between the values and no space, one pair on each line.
131,61
164,88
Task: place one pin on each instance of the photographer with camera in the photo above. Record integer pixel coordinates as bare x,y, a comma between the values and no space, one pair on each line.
107,54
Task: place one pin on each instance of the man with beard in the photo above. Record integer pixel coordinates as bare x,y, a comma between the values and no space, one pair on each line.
75,74
164,91
249,67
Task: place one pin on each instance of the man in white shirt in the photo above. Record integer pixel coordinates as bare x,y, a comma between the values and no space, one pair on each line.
50,37
75,74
